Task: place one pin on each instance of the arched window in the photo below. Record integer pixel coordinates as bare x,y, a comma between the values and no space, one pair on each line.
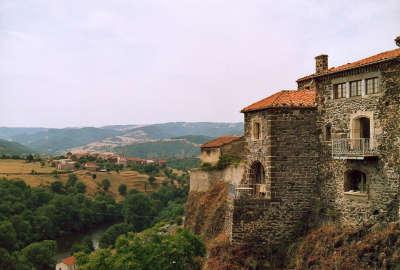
328,132
355,181
256,173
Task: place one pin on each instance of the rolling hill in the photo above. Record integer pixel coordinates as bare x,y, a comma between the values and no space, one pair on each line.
12,148
55,141
160,149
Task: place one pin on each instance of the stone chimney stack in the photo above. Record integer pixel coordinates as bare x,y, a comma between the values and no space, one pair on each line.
397,40
321,63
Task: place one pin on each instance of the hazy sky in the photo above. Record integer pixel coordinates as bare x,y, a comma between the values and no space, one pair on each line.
92,62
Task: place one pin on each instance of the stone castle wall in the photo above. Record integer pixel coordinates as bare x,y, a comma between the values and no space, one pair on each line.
382,172
288,150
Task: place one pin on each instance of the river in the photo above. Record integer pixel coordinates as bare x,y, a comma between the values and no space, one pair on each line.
64,244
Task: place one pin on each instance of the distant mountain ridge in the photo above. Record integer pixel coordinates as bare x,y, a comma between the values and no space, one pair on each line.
55,141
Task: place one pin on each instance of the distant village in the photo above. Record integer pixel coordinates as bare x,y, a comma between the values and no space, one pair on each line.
98,161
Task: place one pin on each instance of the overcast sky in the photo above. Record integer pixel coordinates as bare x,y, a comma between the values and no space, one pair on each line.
92,62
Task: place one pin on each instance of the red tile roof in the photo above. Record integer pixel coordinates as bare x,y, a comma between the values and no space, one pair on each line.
285,98
220,141
384,56
69,261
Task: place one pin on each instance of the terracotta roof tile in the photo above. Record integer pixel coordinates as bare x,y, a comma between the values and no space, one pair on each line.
363,62
220,141
69,261
285,98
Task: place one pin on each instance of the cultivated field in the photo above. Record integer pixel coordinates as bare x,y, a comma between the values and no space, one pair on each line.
19,169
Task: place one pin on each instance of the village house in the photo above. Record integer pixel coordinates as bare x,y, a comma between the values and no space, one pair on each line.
67,264
334,142
64,164
213,150
91,166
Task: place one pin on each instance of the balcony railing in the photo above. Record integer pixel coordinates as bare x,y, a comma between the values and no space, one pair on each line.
353,148
251,190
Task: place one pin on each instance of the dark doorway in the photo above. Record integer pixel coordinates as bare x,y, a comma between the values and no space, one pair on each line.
355,181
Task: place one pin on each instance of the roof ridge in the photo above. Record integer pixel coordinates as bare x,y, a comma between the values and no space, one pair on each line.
369,60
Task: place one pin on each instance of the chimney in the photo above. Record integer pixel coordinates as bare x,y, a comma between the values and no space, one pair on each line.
321,63
397,40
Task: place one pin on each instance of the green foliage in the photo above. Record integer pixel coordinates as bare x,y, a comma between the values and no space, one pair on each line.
8,148
105,184
172,213
183,164
223,162
152,249
41,254
150,169
86,246
29,215
138,210
57,187
161,149
110,235
122,189
151,180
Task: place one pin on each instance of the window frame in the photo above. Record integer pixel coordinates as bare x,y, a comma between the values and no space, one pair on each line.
376,87
256,130
355,88
339,88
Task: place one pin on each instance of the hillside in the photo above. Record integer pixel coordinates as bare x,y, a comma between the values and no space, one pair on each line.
196,139
160,149
58,140
13,148
54,141
177,129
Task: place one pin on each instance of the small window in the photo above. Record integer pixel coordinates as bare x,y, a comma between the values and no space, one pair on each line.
256,131
372,86
355,181
328,132
339,90
355,88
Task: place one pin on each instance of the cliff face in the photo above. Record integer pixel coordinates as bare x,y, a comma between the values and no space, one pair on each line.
206,211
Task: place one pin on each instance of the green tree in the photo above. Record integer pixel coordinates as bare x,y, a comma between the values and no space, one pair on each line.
72,179
86,246
57,187
80,187
151,180
111,234
105,184
41,254
138,210
8,236
122,189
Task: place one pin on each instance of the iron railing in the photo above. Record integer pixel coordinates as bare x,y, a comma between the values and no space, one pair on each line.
250,190
352,148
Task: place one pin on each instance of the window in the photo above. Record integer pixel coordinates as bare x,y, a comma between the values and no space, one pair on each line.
339,90
328,132
256,131
355,181
355,88
372,86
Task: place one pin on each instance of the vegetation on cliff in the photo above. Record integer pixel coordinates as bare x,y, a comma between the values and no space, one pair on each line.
336,247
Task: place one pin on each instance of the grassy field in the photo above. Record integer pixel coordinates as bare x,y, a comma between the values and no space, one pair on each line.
19,169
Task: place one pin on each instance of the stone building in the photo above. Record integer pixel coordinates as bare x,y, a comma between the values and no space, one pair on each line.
225,145
326,150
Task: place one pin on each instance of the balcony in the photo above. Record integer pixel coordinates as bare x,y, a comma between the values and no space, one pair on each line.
258,191
353,148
